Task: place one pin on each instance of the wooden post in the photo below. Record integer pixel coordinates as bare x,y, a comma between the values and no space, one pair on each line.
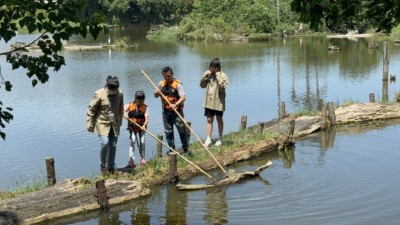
51,173
188,131
385,61
323,118
260,127
385,91
282,110
243,123
173,171
290,132
320,104
159,146
372,97
102,197
331,114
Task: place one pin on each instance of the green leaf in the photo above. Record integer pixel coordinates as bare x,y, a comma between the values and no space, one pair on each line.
34,82
8,85
3,135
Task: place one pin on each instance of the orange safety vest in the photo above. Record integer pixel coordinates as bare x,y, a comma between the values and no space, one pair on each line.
170,91
137,114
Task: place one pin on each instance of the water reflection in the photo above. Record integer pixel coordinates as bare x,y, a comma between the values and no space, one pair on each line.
216,207
175,206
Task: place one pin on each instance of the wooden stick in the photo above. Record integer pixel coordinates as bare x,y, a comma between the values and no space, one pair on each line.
191,130
187,160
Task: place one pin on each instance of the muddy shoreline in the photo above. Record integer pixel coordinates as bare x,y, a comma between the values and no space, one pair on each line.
70,197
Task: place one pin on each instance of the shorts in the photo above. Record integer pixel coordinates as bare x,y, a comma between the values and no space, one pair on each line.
212,112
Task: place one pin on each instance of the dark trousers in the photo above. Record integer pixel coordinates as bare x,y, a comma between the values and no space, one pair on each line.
169,119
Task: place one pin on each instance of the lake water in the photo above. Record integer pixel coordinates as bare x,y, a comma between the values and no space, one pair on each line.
49,121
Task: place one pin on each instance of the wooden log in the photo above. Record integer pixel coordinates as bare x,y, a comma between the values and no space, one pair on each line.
102,197
385,61
232,178
51,173
331,114
372,97
172,170
243,123
320,103
159,146
282,110
323,118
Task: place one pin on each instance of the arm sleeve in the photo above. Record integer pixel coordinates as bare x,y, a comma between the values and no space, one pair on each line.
204,80
121,108
92,110
222,80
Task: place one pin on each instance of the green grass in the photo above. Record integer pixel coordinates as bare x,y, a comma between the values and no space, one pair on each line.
24,186
231,142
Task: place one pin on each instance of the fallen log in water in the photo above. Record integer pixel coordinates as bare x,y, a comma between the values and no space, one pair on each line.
232,178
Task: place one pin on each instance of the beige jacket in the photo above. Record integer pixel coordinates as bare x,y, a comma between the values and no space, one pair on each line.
215,85
97,115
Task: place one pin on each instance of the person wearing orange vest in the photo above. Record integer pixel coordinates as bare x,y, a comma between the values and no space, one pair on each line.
173,90
137,111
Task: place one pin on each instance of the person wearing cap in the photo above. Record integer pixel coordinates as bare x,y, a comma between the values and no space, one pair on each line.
137,111
215,82
173,90
104,117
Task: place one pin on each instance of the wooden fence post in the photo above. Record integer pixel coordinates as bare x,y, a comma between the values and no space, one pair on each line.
173,171
385,60
159,146
51,173
282,110
243,123
260,127
102,197
323,118
372,97
331,114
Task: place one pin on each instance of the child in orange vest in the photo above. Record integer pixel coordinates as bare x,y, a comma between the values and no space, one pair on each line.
138,113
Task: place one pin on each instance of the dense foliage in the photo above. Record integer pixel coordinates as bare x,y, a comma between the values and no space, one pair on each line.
216,19
341,15
55,21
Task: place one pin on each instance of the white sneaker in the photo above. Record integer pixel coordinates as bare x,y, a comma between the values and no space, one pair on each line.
218,143
207,143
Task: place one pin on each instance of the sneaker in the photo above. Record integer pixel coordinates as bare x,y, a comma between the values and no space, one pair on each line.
187,152
208,142
218,143
130,164
143,161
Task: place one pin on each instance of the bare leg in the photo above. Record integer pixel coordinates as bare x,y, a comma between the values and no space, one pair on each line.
210,120
220,122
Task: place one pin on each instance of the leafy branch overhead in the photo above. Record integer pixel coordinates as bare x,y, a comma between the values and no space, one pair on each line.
55,21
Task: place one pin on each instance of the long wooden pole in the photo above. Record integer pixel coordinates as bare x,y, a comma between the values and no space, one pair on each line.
191,130
187,160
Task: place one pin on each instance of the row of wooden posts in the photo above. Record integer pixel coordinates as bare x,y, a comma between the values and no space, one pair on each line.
172,172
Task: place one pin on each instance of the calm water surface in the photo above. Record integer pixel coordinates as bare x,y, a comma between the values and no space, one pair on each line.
49,120
347,176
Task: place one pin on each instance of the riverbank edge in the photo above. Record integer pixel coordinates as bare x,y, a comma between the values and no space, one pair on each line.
305,125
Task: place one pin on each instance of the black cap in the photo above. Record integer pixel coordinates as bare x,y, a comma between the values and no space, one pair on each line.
112,82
